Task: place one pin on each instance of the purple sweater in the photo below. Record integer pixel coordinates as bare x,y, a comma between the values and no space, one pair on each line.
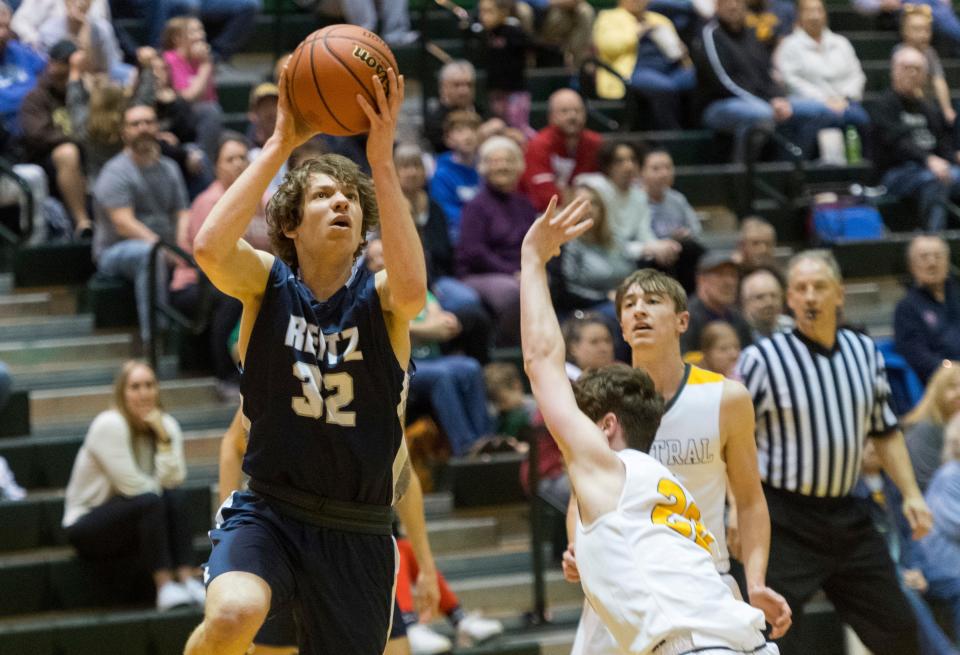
492,228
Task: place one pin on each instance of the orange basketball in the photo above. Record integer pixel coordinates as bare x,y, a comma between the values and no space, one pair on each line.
329,69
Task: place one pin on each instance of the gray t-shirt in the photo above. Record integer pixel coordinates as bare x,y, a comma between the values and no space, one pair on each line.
155,193
925,445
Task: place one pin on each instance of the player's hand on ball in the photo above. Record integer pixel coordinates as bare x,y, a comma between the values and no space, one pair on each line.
289,129
383,119
570,571
775,609
553,228
426,598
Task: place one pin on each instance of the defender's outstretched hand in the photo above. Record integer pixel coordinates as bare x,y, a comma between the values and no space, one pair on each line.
553,229
383,119
290,130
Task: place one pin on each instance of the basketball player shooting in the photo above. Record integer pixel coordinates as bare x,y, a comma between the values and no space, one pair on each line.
644,555
325,347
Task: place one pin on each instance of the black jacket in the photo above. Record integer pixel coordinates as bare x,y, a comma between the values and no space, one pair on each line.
907,129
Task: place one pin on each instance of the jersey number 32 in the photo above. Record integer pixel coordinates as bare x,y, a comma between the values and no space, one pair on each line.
312,404
680,516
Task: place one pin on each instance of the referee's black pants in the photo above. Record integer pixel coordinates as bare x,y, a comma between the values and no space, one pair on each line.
831,544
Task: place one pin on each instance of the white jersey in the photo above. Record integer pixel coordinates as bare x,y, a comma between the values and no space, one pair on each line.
688,444
647,571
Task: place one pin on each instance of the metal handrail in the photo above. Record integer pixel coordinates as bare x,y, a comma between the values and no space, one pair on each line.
6,169
754,183
194,326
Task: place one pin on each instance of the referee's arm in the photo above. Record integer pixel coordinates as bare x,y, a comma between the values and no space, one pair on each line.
892,450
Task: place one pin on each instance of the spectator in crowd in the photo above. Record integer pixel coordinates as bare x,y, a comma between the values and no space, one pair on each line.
390,19
941,547
757,244
262,112
925,423
886,510
594,264
48,135
643,47
915,153
738,92
493,227
628,212
452,294
96,118
564,26
926,322
123,499
504,49
946,24
721,349
671,216
916,31
716,300
809,445
94,35
452,384
455,181
458,91
820,65
31,16
188,57
589,343
143,199
560,151
20,67
770,20
186,289
515,408
761,302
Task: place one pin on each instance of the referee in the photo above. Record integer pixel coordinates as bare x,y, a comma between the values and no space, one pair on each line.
819,392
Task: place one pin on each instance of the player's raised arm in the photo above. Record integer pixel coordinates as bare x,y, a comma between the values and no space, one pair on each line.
231,263
580,441
403,289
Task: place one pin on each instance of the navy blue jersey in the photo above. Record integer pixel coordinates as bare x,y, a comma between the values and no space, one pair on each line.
322,390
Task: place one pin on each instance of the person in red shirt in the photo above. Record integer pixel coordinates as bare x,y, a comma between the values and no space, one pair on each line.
560,151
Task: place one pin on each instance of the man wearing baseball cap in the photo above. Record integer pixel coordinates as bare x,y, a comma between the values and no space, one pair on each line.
717,278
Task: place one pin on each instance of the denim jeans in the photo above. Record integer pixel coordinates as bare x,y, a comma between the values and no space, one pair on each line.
130,260
238,18
738,115
455,387
394,17
913,179
663,92
947,591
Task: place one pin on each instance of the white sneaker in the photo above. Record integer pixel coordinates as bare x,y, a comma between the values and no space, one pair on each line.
424,641
173,594
196,590
474,628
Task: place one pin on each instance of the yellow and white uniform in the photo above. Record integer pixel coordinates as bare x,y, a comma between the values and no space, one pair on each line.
648,572
688,444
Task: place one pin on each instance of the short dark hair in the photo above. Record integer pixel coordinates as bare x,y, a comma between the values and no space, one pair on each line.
461,118
573,327
230,136
629,394
654,149
285,209
650,280
608,149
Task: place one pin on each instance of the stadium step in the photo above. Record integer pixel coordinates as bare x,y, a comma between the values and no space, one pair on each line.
62,375
14,306
52,263
68,406
492,593
24,354
32,328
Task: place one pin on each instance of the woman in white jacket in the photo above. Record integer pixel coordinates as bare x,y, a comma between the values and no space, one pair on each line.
122,498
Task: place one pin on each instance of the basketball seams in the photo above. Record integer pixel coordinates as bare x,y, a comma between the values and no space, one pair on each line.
371,98
316,84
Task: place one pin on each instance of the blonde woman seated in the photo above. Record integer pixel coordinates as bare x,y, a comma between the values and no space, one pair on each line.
924,426
122,499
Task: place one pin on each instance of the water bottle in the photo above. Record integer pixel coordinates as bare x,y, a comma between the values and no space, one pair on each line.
852,142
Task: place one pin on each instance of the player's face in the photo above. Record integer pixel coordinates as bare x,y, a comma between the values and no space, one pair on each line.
649,320
594,349
331,214
140,392
814,295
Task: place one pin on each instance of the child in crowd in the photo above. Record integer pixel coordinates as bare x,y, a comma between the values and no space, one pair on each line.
455,181
505,47
188,57
515,408
720,347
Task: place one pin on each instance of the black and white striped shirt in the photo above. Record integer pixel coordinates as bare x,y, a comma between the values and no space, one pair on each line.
814,409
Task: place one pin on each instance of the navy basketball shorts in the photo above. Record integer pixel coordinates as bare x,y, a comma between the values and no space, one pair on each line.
338,585
280,628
